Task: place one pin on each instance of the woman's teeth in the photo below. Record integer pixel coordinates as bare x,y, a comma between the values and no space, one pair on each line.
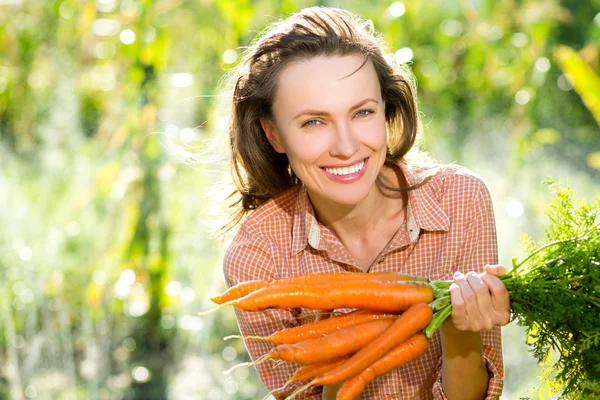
346,170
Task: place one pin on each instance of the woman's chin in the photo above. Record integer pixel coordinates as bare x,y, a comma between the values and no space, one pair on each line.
345,197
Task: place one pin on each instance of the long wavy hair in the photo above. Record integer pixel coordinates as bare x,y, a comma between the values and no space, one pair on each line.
258,171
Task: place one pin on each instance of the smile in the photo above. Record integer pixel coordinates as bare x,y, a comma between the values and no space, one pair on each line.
346,170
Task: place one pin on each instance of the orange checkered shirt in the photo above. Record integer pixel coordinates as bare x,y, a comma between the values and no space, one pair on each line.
449,227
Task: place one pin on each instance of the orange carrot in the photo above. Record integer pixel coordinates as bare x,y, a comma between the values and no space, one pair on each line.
317,329
240,290
407,325
403,354
341,343
313,370
384,296
317,369
244,288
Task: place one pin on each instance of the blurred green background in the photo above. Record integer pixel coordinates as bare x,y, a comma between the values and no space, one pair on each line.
106,253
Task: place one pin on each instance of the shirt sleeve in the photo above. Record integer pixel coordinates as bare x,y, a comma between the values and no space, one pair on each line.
251,256
480,248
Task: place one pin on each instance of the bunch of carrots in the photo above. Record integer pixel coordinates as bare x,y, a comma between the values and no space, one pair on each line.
383,333
554,293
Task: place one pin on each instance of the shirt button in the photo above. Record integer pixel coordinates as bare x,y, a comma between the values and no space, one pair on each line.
382,259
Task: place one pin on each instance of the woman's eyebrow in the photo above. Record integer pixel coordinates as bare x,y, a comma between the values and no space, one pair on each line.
320,112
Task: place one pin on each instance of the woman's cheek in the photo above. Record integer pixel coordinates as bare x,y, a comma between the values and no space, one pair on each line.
376,135
308,151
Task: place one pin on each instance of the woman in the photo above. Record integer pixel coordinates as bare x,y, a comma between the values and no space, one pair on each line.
323,151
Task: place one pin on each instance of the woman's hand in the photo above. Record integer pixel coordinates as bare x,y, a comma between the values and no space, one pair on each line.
479,301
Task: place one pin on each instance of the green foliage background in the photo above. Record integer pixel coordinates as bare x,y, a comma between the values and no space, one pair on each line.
105,247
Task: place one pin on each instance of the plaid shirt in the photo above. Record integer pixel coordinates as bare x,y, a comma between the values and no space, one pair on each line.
449,227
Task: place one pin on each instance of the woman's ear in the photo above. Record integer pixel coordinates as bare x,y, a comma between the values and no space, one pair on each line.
272,134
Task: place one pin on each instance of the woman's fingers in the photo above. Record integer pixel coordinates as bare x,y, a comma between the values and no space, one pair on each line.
484,300
499,298
496,270
459,314
480,301
465,314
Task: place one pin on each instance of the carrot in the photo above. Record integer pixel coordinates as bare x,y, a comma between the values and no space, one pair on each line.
407,325
403,354
385,296
341,343
316,369
240,290
313,370
317,329
244,288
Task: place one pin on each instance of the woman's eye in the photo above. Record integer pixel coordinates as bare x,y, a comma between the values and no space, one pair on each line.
312,122
363,113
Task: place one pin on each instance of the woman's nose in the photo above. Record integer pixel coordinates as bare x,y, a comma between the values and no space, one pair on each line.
346,142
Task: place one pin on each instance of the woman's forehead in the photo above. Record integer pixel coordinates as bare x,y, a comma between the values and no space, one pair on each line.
323,80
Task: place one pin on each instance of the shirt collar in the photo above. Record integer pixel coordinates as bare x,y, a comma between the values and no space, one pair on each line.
306,228
424,213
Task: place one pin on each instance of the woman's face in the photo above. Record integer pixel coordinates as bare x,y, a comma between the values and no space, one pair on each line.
328,117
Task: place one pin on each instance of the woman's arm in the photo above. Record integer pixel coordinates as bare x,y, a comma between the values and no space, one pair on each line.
472,365
480,302
464,374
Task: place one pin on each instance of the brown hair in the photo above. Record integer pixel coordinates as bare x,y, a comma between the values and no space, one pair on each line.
259,172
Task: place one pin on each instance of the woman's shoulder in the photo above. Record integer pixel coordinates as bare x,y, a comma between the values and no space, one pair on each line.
449,179
460,175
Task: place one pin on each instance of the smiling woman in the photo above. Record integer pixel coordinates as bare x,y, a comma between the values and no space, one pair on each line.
329,178
338,146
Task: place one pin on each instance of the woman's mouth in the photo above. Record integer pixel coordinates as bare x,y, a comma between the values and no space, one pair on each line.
348,173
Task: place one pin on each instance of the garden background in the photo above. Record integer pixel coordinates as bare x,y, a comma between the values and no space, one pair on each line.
106,253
